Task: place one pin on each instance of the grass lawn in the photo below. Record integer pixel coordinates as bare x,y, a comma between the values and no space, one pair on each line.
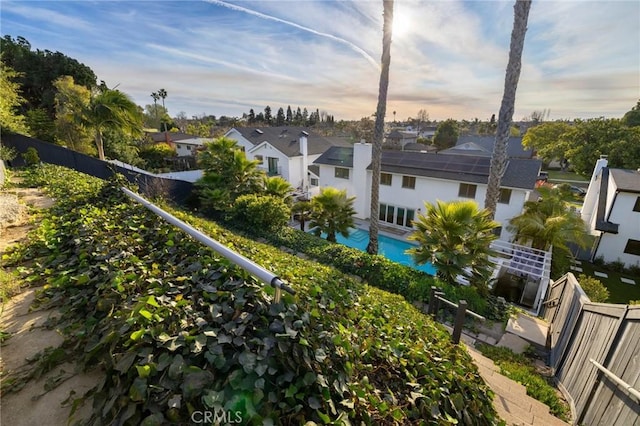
619,292
558,175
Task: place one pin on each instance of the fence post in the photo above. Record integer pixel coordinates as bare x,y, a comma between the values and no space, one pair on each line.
457,326
432,300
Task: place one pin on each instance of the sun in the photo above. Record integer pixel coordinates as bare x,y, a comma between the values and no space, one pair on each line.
401,23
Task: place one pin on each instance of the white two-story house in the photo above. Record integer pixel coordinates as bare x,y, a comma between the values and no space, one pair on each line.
286,151
611,211
408,179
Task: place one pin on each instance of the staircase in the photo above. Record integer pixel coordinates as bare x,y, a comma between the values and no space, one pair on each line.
511,400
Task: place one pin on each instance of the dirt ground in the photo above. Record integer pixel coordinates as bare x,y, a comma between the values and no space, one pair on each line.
29,335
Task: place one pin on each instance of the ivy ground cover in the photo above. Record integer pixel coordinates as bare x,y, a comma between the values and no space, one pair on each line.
185,337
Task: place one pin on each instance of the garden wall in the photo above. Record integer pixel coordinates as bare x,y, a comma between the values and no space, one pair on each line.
175,190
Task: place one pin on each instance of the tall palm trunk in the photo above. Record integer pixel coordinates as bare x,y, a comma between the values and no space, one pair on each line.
499,158
378,133
100,144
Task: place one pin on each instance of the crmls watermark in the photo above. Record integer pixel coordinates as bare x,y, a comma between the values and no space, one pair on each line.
218,417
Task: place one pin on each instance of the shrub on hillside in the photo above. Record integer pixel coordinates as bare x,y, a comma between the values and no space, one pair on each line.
31,156
180,330
264,212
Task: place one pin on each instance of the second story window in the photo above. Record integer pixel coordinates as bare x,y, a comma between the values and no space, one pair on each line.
259,159
408,182
342,173
385,179
636,207
467,190
505,196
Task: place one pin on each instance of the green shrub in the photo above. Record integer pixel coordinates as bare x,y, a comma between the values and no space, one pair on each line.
616,266
264,212
155,156
634,270
8,153
178,329
31,157
595,290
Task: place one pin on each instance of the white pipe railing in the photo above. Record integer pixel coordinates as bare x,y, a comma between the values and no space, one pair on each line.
624,385
254,269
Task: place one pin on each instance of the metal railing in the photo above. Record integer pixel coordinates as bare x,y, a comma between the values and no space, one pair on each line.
254,269
461,312
624,385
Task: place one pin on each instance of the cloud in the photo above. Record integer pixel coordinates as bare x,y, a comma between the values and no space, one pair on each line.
46,15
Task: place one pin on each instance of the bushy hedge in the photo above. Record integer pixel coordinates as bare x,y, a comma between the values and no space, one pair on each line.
264,212
178,330
377,270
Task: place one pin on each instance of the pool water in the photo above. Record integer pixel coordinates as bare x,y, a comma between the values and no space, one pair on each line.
388,247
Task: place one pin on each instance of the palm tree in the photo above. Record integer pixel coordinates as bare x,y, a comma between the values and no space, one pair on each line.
549,222
499,157
378,134
227,174
111,110
332,213
278,187
155,97
455,238
302,212
163,94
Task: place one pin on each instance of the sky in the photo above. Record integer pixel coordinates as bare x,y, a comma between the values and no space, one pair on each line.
581,58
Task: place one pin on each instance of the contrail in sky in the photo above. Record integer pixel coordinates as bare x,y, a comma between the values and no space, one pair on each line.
303,28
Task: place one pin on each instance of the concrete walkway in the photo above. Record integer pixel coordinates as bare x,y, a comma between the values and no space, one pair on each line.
511,400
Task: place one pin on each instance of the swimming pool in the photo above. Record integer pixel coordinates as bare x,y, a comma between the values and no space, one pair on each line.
388,247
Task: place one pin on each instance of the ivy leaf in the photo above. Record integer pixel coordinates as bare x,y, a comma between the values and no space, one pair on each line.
194,381
314,403
126,362
138,390
136,335
248,361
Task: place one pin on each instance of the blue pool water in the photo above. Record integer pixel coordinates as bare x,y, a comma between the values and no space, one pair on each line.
388,247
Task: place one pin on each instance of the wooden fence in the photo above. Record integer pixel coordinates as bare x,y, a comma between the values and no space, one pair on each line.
581,332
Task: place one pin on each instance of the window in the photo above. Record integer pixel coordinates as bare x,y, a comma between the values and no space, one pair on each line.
467,191
342,173
633,247
259,158
188,147
396,215
636,207
505,196
400,216
408,182
497,231
313,182
385,179
179,146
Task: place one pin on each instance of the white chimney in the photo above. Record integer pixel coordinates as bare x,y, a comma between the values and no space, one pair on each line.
591,198
304,150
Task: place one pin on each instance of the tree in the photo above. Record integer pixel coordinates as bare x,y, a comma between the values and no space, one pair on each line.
155,97
228,174
278,187
251,117
499,156
10,101
301,212
70,100
632,118
289,117
38,70
455,237
421,118
280,117
332,213
267,115
549,222
378,134
547,140
111,109
40,124
446,134
163,94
